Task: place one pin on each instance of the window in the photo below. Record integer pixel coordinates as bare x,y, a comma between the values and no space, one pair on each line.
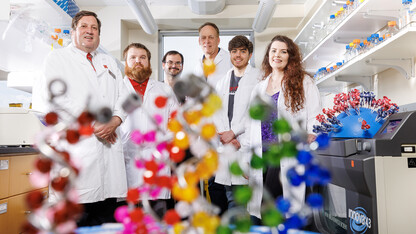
186,43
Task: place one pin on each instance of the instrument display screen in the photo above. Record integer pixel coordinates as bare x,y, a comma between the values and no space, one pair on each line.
391,126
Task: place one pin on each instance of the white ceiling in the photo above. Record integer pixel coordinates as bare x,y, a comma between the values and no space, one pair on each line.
83,3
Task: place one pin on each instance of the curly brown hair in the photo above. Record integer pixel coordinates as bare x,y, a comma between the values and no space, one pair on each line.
294,74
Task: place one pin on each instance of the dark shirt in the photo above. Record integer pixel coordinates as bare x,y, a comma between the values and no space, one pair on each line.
233,88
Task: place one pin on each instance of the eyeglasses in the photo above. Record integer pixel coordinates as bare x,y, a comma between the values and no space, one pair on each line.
176,63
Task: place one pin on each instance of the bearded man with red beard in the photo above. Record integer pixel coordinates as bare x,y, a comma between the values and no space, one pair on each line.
138,71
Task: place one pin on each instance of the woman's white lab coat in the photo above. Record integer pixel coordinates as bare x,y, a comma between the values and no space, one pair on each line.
306,117
140,119
102,172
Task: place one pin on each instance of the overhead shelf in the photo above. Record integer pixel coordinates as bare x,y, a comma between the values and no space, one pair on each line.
400,49
370,16
46,10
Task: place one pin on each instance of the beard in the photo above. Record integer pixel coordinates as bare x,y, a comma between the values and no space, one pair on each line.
138,73
174,72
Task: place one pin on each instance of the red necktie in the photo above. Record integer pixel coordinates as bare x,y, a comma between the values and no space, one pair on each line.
89,57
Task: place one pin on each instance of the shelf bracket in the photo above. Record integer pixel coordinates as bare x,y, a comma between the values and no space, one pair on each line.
331,89
406,66
382,14
347,40
365,81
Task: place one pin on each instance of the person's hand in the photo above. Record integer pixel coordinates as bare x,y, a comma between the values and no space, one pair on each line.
226,137
311,138
236,144
107,131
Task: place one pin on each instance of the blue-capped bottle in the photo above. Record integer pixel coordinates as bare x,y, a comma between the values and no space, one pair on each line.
347,54
405,13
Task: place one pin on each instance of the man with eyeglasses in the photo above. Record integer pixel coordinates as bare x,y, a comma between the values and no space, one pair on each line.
172,64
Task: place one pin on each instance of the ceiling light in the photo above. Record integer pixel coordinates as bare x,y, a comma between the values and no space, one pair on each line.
206,7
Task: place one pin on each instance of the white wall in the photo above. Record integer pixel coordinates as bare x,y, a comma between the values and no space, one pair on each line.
120,28
393,85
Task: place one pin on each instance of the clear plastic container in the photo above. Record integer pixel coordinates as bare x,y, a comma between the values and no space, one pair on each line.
66,36
57,37
375,39
341,13
347,54
311,43
356,48
352,5
392,29
339,65
330,25
362,48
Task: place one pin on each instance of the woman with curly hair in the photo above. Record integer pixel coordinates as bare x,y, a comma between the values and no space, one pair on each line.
296,98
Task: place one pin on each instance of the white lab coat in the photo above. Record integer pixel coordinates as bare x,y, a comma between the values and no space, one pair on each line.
102,172
139,120
239,125
306,116
222,65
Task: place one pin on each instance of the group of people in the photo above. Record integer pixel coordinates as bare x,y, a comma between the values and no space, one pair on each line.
93,81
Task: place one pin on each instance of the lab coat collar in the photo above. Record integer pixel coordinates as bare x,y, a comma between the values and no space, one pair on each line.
83,53
219,56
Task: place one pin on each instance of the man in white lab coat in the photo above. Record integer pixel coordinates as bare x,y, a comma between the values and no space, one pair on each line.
93,81
209,40
172,64
137,80
231,120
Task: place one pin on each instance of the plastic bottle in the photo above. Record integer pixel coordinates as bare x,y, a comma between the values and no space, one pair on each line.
337,20
352,5
375,39
380,40
356,48
58,36
341,14
369,43
311,43
351,48
319,31
330,25
66,37
405,13
347,54
349,7
356,3
392,29
365,46
360,48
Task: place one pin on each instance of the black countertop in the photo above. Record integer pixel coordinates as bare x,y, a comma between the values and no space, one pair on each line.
7,150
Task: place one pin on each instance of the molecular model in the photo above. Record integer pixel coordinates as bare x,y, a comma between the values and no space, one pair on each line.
355,115
189,129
